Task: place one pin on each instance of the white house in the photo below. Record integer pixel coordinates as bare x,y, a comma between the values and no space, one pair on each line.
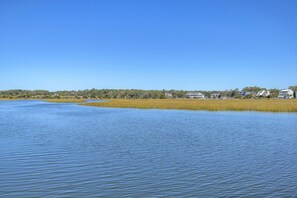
286,93
263,93
168,95
215,95
195,95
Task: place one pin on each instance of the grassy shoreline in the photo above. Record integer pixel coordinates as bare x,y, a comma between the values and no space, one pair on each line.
66,100
47,100
264,105
208,105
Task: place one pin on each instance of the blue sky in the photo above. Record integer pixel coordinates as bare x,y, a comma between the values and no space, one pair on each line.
147,44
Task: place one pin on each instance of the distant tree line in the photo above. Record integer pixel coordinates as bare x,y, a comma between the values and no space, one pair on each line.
88,93
126,93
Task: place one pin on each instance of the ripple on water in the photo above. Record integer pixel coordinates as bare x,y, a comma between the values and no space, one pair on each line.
58,150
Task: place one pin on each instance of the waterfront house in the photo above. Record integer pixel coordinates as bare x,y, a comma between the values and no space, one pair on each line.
168,95
286,94
195,94
247,93
215,95
263,93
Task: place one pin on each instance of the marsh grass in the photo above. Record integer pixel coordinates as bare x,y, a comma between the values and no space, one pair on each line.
210,105
4,99
66,100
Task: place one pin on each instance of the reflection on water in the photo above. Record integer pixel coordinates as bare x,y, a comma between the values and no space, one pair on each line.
67,150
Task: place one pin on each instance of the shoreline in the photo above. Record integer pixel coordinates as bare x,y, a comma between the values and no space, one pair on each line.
266,105
204,105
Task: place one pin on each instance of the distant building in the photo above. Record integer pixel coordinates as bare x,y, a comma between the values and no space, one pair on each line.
195,95
215,95
247,93
55,95
286,94
263,93
243,93
168,95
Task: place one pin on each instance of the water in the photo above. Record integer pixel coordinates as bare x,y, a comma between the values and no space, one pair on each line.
66,150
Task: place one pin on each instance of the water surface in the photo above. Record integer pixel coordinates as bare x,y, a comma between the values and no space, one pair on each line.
67,150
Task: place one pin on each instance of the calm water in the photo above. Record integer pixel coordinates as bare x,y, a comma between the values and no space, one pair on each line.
66,150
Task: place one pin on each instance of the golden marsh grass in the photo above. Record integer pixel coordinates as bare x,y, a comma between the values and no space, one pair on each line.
50,100
209,105
66,100
2,99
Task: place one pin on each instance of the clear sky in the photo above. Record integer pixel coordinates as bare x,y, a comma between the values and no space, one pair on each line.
147,44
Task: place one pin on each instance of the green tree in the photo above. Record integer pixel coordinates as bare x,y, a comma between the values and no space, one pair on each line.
233,94
274,93
294,88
